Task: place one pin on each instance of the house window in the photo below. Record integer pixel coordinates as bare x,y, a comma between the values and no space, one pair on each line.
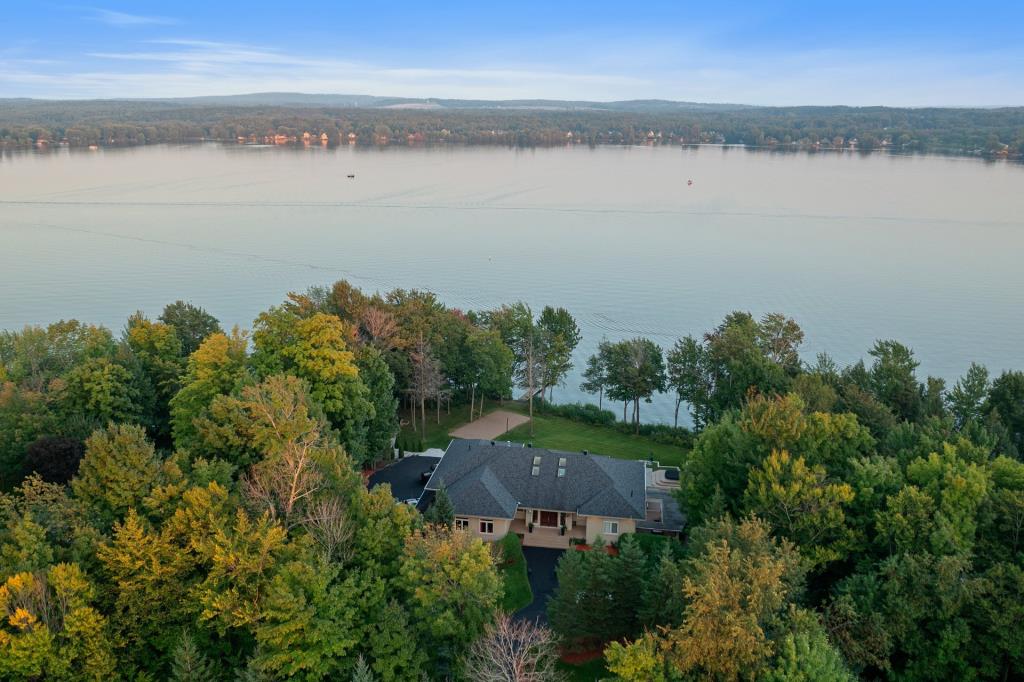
461,524
611,527
487,527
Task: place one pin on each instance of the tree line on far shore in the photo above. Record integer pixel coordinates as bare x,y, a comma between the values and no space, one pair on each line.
988,132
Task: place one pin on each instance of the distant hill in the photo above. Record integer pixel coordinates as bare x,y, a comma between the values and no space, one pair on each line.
292,99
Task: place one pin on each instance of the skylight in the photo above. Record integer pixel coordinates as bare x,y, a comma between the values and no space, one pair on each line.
536,471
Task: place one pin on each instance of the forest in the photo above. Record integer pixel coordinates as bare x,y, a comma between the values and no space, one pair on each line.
984,132
181,501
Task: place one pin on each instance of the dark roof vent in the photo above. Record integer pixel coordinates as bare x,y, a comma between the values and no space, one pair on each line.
492,442
529,445
586,452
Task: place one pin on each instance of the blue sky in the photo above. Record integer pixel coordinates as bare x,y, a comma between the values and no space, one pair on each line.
864,53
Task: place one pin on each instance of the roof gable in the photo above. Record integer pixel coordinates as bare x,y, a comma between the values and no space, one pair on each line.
482,475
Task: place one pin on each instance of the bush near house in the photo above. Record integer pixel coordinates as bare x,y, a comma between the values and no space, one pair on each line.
512,565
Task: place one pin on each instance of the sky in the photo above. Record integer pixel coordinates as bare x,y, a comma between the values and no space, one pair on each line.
896,53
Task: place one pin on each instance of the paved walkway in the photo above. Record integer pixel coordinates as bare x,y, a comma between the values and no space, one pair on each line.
490,426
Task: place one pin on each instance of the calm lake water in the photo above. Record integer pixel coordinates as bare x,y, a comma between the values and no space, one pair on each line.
926,250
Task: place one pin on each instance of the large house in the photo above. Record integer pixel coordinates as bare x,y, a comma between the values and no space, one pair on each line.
547,497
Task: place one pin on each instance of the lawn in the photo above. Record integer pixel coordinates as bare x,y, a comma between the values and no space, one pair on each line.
513,573
558,433
585,672
437,434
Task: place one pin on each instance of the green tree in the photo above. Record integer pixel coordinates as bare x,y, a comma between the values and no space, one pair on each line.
559,336
25,547
51,630
217,367
639,661
382,527
158,350
663,602
893,379
565,610
690,377
441,511
520,333
316,349
191,324
636,371
188,663
595,376
362,671
452,588
150,574
803,506
100,391
307,627
1006,402
491,363
118,471
380,384
808,657
395,656
34,357
24,417
739,589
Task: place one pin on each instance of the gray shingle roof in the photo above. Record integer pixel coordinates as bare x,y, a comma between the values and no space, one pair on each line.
492,480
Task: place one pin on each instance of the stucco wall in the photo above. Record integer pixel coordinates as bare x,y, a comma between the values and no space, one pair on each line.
595,527
500,527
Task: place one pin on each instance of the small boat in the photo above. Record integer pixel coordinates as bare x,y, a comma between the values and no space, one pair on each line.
351,175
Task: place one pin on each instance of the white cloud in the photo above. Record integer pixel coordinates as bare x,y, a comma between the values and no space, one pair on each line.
113,18
180,67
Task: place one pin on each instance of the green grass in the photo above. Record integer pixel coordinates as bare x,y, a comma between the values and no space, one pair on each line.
513,572
586,672
558,433
437,434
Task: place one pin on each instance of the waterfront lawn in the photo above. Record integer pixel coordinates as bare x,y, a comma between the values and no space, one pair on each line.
513,572
437,434
558,433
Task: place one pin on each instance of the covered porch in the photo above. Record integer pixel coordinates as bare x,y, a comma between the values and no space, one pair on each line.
547,528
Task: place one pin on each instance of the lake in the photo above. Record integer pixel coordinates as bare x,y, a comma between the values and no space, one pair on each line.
924,249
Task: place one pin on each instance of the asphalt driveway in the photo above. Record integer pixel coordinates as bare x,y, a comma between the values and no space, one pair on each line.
404,476
540,566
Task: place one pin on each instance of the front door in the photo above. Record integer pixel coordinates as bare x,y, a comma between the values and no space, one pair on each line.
549,519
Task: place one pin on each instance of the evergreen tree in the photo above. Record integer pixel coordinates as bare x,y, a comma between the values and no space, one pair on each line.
188,663
362,672
441,511
663,601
